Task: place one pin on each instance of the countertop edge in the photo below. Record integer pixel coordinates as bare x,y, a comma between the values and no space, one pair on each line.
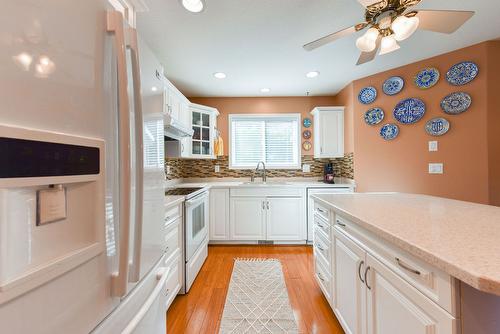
476,281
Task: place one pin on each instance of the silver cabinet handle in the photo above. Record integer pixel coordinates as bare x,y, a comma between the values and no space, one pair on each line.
359,271
320,277
406,267
267,205
340,223
263,205
319,247
320,225
320,210
366,275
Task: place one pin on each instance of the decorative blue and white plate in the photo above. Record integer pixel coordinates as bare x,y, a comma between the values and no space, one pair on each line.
427,78
462,73
456,103
437,126
367,95
389,131
393,85
307,122
409,111
374,116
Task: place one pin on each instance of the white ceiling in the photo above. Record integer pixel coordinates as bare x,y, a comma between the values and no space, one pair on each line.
258,43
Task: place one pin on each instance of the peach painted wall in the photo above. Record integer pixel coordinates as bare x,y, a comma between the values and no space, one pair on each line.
346,98
402,165
494,121
262,105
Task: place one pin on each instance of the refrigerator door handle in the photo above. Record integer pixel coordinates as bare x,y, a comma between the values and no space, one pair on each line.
132,45
120,279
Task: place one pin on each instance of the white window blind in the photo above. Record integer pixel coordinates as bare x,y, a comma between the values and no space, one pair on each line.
153,141
274,139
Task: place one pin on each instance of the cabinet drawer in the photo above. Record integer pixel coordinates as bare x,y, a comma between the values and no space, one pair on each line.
172,213
323,225
324,280
172,238
322,247
173,283
321,211
432,282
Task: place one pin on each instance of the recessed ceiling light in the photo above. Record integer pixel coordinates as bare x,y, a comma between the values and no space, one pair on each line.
154,88
265,90
312,74
220,75
194,6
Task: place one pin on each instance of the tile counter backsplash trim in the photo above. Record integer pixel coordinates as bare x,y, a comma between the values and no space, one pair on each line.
196,168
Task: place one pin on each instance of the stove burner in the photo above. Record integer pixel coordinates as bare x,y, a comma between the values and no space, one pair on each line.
181,191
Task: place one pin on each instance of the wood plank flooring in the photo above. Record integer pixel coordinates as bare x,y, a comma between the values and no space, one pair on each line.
200,311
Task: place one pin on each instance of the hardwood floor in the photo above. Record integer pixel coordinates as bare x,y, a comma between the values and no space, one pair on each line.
200,311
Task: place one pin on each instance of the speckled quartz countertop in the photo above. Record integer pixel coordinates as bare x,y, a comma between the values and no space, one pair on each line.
461,238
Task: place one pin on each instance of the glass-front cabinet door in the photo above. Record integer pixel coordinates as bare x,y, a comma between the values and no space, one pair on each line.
203,123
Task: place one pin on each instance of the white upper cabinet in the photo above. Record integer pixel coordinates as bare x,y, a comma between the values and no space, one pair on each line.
176,104
328,132
203,120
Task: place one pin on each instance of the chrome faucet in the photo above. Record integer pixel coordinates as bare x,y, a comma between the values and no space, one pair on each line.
264,178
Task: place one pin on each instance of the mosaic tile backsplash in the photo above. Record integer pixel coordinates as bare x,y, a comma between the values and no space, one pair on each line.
196,168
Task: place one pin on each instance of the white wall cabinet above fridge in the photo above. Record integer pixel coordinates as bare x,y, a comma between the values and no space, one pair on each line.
328,132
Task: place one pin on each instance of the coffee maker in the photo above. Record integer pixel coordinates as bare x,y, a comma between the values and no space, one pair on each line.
328,174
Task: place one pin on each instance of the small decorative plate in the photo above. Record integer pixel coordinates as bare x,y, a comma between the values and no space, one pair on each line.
307,122
374,116
437,126
393,85
427,78
367,95
307,145
462,73
409,111
306,134
389,131
456,103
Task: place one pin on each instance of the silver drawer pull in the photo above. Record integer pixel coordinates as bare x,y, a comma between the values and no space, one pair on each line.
406,267
320,277
320,225
320,210
320,248
167,218
340,223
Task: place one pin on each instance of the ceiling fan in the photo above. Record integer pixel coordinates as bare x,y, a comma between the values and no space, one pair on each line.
392,21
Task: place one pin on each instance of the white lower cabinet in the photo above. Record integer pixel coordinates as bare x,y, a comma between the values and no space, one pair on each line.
247,218
375,288
349,294
284,220
219,214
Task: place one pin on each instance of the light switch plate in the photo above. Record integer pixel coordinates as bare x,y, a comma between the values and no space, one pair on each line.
306,168
433,146
436,168
217,168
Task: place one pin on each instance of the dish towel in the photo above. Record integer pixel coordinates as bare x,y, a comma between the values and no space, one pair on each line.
218,146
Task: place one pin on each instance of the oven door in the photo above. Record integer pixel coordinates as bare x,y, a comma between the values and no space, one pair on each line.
196,223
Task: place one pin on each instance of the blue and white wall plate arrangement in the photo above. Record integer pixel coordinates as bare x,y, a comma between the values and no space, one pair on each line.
437,126
307,122
427,78
456,103
374,116
409,111
389,131
393,85
462,73
367,95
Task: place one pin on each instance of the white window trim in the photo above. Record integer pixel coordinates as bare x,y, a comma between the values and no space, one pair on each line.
299,140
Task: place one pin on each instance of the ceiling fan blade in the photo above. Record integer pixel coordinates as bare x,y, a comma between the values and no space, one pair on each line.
443,21
330,38
366,57
368,3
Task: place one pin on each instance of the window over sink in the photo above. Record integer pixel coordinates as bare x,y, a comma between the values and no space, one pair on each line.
273,138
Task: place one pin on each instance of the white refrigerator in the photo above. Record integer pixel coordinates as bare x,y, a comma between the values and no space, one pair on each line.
81,172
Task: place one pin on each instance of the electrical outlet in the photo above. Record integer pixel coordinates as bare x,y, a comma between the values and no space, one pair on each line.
168,170
436,168
306,168
433,146
217,168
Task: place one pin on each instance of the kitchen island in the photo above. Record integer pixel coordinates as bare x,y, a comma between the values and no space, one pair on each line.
424,262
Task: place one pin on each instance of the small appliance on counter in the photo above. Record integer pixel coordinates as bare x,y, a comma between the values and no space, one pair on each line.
328,174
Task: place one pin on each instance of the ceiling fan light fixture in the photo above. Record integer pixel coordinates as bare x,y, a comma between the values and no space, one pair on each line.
404,27
388,45
194,6
368,42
